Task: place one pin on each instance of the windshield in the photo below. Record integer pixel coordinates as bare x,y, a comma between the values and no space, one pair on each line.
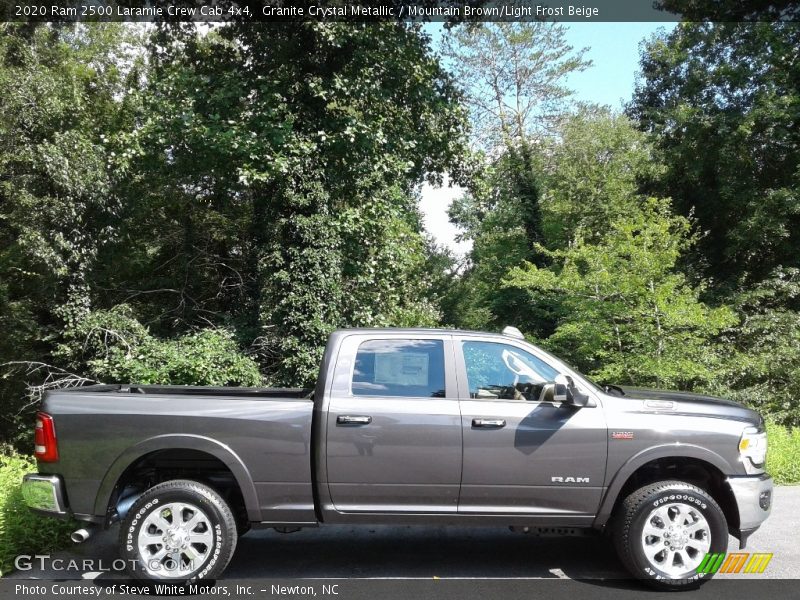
563,363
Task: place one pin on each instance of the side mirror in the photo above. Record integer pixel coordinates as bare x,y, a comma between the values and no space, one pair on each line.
554,392
565,391
578,399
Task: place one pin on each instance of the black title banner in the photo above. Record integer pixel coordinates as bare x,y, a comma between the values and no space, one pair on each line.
396,10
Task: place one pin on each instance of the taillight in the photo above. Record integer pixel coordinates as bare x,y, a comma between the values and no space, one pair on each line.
44,438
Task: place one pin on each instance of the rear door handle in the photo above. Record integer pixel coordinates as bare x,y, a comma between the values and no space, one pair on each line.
489,423
353,420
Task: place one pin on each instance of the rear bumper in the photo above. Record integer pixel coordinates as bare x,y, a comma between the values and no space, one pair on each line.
753,500
44,494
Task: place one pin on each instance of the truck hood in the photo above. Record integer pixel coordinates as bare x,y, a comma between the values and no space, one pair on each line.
696,404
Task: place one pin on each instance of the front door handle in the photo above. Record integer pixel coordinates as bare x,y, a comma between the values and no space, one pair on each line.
353,420
489,423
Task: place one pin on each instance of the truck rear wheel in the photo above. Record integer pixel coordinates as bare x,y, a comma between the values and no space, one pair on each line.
664,530
180,531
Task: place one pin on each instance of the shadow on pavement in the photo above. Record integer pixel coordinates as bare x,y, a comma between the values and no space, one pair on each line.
379,552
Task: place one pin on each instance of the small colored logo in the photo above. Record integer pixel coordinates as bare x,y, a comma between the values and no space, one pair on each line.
735,562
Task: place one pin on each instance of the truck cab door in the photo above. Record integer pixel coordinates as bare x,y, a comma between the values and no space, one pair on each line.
393,426
523,456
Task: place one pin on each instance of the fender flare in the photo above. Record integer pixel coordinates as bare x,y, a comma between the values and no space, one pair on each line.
675,450
180,442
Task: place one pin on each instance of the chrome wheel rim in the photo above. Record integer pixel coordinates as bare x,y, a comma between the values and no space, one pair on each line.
675,539
175,540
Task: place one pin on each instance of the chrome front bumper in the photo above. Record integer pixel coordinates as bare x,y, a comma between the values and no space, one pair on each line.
753,499
44,494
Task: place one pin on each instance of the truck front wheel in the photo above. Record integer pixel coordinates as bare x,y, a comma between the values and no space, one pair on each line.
664,530
179,530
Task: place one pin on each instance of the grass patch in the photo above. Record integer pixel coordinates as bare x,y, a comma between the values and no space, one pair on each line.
783,453
22,531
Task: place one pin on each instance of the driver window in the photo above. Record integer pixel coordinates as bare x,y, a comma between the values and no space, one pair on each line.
503,372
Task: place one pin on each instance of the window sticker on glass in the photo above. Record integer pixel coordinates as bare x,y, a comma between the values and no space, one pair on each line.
401,368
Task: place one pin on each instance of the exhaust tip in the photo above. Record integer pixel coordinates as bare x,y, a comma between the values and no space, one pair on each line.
80,535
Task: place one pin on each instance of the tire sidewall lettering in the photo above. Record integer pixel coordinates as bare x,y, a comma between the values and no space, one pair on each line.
676,498
215,556
194,495
681,497
660,495
129,545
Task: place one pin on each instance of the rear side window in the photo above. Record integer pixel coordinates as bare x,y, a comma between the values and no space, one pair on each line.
410,368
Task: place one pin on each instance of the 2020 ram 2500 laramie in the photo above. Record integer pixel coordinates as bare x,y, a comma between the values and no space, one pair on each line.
413,426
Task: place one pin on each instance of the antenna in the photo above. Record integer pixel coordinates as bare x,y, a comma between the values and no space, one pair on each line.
513,332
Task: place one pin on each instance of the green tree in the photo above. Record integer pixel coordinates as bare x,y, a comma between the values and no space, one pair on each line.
762,366
514,78
278,167
629,316
64,100
595,172
722,102
591,172
513,75
112,346
489,215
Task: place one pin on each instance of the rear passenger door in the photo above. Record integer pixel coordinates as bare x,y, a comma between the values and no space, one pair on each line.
394,426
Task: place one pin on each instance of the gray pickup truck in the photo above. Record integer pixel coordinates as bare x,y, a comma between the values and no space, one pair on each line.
405,426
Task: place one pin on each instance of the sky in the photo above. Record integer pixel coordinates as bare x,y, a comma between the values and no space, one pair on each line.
614,51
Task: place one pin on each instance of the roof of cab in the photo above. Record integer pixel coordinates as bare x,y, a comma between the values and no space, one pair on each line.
413,330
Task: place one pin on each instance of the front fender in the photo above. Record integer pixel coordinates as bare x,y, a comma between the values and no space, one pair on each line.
180,442
637,461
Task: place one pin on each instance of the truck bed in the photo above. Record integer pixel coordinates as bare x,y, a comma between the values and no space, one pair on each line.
193,390
263,435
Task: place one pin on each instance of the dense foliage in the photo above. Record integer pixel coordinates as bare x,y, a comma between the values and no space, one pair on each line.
722,102
111,345
277,170
207,207
65,96
628,315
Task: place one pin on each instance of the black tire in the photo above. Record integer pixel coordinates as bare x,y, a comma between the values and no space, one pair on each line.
629,526
220,528
243,527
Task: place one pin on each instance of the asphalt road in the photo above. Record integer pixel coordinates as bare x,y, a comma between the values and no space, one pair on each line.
384,552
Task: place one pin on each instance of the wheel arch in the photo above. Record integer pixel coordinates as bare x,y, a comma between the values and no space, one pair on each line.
176,442
695,464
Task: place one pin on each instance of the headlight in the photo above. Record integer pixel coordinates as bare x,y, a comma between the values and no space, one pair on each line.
753,446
